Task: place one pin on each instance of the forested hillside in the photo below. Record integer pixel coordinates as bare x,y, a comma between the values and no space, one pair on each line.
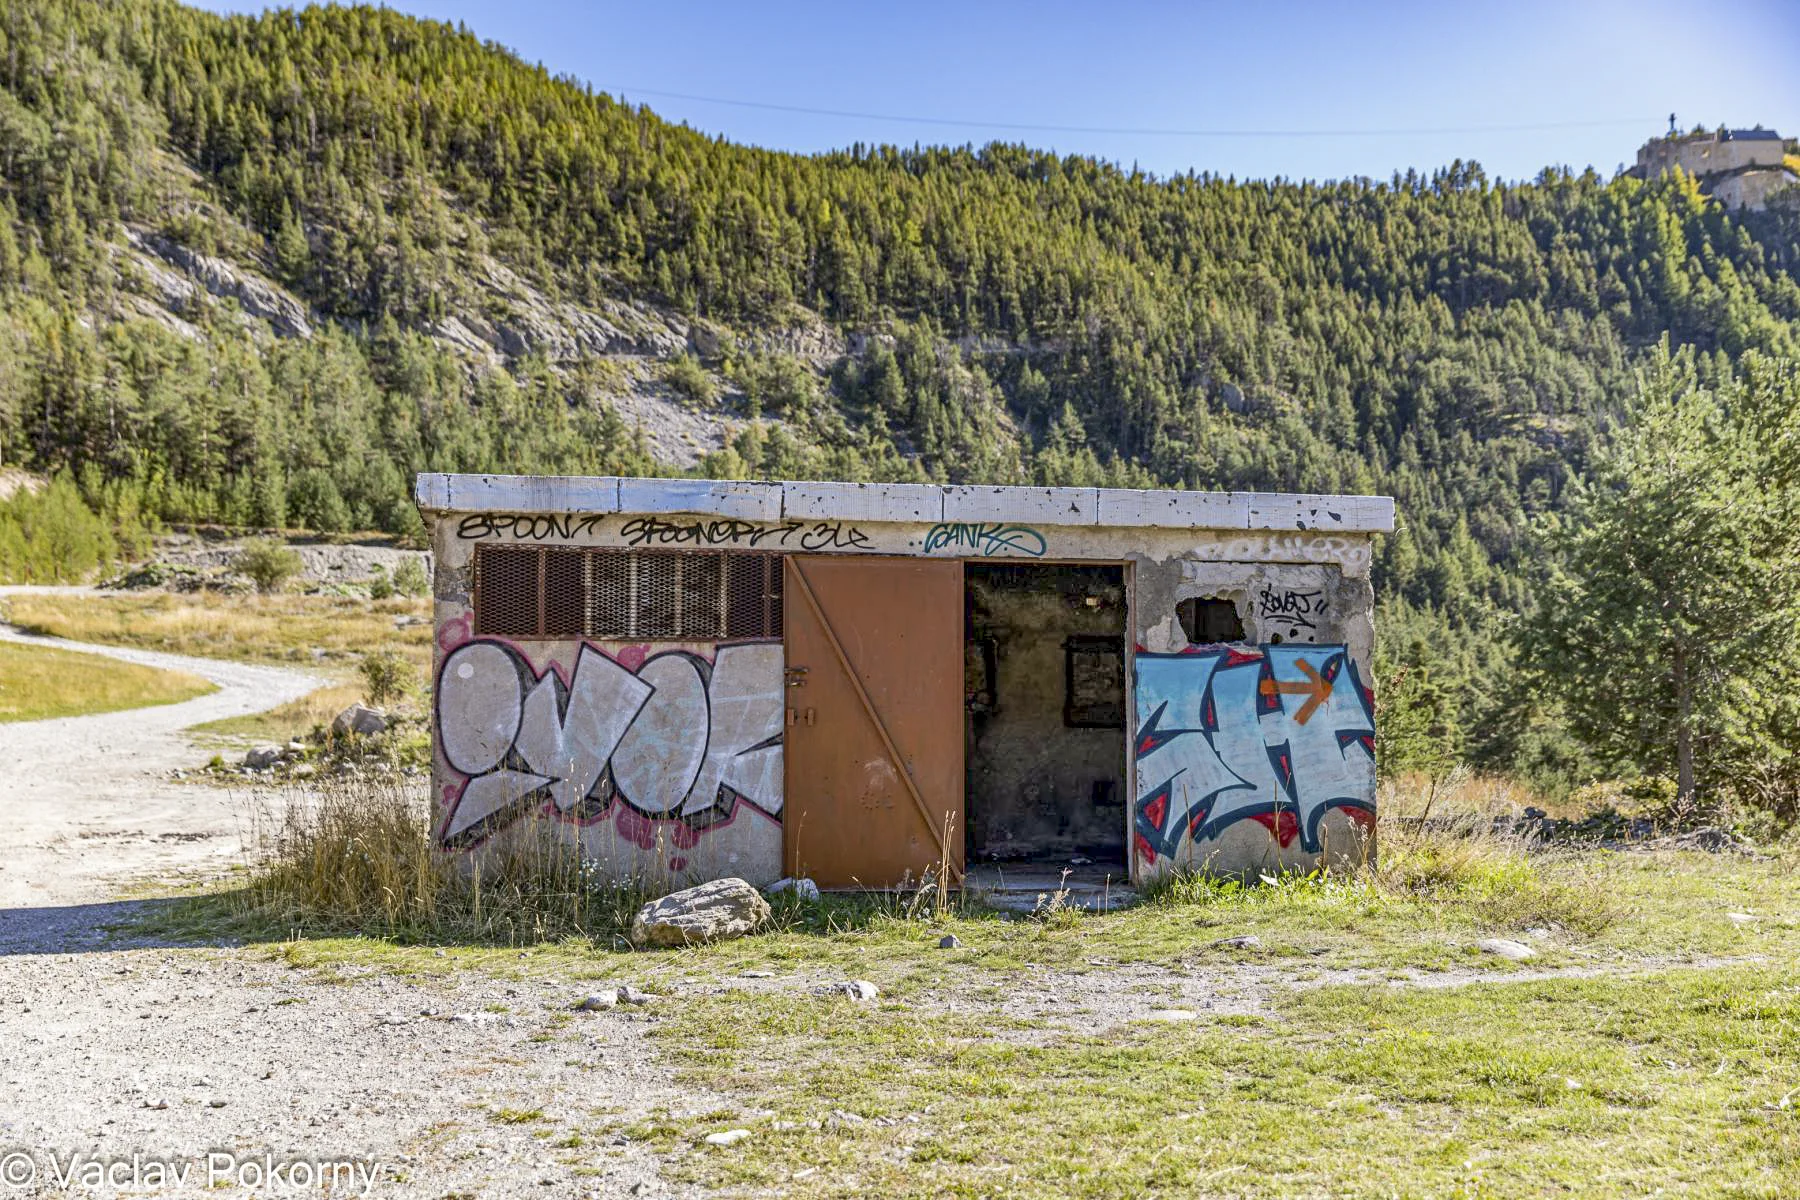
262,270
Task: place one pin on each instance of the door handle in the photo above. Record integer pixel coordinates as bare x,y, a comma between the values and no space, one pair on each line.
811,716
793,716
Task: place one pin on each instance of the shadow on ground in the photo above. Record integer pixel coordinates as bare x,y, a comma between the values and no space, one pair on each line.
113,925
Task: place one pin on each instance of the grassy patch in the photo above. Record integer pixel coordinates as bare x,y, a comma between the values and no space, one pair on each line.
281,629
1591,1087
42,681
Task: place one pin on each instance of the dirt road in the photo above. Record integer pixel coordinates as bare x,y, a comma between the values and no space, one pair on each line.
86,803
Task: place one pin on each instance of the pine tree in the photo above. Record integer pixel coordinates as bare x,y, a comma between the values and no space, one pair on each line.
1668,623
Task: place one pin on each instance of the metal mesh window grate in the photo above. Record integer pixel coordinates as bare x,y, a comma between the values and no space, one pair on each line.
648,595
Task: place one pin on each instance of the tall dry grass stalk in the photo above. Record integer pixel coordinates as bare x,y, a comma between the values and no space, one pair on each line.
356,854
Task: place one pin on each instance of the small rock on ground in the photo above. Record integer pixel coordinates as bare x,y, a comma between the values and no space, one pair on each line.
806,889
1173,1014
599,1000
949,942
359,718
719,909
729,1137
1248,941
1506,948
856,989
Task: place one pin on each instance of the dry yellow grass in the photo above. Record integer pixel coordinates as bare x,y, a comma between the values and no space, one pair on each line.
39,681
277,629
285,722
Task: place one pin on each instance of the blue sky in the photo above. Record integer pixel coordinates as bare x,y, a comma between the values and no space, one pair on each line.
1375,88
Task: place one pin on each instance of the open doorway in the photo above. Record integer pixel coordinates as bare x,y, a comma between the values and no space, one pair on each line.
1044,689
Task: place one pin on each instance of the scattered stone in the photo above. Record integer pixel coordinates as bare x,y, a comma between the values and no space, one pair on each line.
1173,1014
1506,948
599,1000
215,1104
360,719
158,1103
296,747
1537,931
759,975
262,757
806,889
729,1137
395,1019
1248,941
630,995
949,942
855,989
304,771
723,908
472,1018
1738,918
846,1118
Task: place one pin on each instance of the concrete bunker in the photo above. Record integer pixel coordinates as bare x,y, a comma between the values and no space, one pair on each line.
873,684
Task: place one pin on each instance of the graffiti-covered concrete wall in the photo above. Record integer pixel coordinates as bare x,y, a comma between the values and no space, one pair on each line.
666,757
659,759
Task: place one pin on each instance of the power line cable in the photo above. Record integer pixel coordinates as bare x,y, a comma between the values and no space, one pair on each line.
1026,127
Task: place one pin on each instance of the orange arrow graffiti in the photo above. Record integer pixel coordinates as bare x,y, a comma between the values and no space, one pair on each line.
1315,688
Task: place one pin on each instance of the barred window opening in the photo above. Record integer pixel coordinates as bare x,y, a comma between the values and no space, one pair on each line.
642,595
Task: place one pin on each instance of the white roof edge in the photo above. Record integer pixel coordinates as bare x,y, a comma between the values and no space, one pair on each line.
909,503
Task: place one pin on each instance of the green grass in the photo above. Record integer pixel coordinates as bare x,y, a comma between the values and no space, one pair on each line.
1594,1087
37,682
1366,1047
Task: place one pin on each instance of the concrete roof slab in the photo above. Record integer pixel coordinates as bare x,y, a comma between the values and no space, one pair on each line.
1171,509
908,503
719,498
904,502
1024,505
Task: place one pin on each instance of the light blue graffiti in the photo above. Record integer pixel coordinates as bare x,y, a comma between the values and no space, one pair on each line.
1276,734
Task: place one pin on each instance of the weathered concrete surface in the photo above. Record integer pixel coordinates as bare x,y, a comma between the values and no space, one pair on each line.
906,503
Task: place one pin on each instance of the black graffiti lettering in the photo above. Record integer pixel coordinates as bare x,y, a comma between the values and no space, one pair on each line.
1296,610
660,531
833,535
826,535
987,539
641,531
532,527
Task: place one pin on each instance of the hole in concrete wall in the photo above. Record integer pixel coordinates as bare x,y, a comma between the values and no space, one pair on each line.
1044,688
1209,620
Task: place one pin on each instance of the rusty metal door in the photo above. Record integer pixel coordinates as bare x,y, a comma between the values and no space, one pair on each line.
874,747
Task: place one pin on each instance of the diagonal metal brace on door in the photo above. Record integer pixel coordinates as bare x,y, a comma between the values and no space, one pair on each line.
862,695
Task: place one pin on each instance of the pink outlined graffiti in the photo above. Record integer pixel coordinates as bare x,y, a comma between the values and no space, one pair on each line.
667,744
1278,734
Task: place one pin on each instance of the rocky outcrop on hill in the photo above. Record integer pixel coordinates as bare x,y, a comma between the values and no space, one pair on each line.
257,296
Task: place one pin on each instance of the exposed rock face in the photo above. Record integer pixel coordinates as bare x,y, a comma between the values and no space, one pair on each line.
722,908
562,332
258,297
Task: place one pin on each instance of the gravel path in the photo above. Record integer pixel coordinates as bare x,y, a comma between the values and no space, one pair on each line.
86,803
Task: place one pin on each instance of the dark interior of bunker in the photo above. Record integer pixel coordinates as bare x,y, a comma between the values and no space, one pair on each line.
1044,692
